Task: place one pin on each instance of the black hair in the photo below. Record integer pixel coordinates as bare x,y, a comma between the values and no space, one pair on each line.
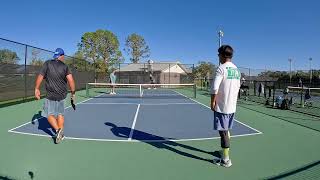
226,51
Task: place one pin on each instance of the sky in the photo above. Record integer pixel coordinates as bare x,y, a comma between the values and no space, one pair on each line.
264,34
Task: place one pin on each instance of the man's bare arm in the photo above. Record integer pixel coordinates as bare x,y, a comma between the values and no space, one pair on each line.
72,85
213,101
37,93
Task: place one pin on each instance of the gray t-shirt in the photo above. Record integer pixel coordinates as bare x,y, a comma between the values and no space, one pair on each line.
54,73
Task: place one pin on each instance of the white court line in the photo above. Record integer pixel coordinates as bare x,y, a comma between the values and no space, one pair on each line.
131,133
132,140
108,103
165,104
32,134
147,104
11,130
259,132
134,123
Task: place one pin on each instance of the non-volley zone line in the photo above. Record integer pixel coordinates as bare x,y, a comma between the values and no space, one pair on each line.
133,140
145,104
12,130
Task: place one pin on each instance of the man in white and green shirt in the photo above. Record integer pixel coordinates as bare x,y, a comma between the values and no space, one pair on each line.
224,94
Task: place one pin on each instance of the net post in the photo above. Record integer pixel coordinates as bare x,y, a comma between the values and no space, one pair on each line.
140,90
195,90
87,90
169,74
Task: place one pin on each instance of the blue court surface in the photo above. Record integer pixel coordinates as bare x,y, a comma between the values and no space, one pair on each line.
123,118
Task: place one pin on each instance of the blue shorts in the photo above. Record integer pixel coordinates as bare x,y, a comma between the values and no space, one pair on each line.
54,108
223,122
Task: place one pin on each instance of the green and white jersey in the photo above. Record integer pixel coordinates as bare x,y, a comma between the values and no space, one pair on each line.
226,86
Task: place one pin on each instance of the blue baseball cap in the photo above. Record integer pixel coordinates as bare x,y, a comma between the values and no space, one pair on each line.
59,52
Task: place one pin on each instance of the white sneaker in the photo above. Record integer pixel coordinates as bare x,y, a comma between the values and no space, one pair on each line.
59,136
221,162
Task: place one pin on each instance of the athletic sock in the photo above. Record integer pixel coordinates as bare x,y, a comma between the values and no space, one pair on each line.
225,154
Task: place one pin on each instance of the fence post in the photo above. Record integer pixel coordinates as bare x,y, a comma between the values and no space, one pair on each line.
274,93
193,77
265,93
119,73
144,73
95,73
87,90
25,73
254,88
169,74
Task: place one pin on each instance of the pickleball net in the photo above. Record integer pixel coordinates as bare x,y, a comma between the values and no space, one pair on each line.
141,90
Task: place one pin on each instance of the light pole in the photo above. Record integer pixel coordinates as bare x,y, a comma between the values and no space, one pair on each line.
290,61
220,35
310,60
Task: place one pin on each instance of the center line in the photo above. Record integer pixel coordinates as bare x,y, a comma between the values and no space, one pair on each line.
134,123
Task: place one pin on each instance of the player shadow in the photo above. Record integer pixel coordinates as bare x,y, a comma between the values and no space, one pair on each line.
5,178
43,123
159,142
30,173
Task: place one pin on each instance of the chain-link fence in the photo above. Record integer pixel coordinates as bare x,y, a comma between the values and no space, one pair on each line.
301,88
20,64
307,78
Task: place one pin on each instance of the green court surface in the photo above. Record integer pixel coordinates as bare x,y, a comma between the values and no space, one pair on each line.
285,149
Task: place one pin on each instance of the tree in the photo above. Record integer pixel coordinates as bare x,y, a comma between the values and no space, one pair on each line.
69,61
100,45
35,60
204,69
89,46
9,57
137,47
80,63
108,47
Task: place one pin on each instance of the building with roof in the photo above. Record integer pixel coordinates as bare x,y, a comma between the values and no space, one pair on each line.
162,73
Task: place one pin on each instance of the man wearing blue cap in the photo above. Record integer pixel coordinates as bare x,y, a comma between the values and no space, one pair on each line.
56,75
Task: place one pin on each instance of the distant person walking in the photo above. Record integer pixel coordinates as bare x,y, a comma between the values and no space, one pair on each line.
152,81
300,83
224,94
113,78
261,89
56,75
